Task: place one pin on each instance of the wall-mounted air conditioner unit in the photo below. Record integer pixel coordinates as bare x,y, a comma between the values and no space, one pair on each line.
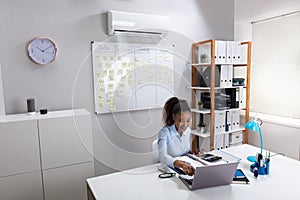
120,22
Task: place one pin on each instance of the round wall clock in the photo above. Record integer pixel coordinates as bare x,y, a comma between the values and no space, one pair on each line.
42,50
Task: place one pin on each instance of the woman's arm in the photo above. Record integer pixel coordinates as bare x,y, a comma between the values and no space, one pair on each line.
164,157
168,160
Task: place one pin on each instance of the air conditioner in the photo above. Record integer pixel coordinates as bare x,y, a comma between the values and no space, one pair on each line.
120,22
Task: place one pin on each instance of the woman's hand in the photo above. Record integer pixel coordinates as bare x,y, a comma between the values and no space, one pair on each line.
186,167
197,152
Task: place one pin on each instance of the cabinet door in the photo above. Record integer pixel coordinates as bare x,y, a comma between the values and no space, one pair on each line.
67,183
22,186
65,140
19,147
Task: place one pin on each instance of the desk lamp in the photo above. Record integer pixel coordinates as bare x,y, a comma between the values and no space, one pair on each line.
254,125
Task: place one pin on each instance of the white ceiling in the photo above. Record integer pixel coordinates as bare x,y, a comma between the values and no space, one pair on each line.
249,9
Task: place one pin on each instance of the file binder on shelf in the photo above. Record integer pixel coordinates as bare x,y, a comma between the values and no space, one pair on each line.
221,52
235,119
229,52
226,140
219,141
223,76
219,122
236,52
226,75
228,121
229,75
241,96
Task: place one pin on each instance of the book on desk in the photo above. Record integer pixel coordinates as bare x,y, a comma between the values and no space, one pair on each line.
240,177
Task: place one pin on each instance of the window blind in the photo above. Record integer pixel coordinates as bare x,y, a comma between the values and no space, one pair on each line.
276,66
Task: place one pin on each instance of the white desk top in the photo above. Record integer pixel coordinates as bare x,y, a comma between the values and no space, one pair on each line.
143,183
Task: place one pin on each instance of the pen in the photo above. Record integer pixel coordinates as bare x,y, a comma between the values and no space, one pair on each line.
260,160
255,171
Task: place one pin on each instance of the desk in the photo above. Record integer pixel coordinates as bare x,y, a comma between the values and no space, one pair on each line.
143,183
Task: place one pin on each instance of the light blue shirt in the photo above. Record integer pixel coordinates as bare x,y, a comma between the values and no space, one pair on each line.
171,145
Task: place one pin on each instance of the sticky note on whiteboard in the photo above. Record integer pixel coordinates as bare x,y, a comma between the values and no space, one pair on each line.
101,104
113,107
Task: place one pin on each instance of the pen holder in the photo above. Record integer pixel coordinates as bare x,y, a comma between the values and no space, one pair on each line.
264,170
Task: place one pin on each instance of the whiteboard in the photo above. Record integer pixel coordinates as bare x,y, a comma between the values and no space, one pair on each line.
129,76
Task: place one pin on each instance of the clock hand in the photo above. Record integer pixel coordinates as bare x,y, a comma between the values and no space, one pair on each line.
47,48
49,52
39,48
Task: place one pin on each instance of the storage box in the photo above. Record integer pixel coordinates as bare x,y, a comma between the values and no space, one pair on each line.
236,137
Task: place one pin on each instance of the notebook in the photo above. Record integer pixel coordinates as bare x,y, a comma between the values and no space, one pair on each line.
211,175
240,177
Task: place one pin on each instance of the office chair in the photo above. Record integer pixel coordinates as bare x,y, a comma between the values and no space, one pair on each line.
155,151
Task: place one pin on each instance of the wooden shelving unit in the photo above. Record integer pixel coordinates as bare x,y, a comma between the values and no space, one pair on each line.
212,89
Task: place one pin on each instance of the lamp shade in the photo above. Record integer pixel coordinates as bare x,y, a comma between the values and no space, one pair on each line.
252,126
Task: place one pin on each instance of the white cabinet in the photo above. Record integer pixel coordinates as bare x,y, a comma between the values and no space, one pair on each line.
65,140
67,183
46,156
66,154
22,186
20,171
19,147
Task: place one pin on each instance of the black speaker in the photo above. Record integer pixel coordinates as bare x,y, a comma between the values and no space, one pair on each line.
30,105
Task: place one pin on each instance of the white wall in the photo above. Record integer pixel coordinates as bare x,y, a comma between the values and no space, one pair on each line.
2,105
278,137
121,140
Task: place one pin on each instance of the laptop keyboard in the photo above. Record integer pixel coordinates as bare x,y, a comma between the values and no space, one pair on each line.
189,181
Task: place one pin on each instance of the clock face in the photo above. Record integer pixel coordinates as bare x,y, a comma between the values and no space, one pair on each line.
42,50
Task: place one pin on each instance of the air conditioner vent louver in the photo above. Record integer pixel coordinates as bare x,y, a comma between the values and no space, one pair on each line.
126,22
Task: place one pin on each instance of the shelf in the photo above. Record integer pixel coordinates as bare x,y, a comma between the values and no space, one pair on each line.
199,88
202,111
237,130
203,135
207,111
209,64
220,88
240,65
200,65
216,88
207,134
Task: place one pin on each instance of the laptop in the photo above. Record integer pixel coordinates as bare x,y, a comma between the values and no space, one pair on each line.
211,175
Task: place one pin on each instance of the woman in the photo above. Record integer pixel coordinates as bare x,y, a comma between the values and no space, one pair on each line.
174,137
